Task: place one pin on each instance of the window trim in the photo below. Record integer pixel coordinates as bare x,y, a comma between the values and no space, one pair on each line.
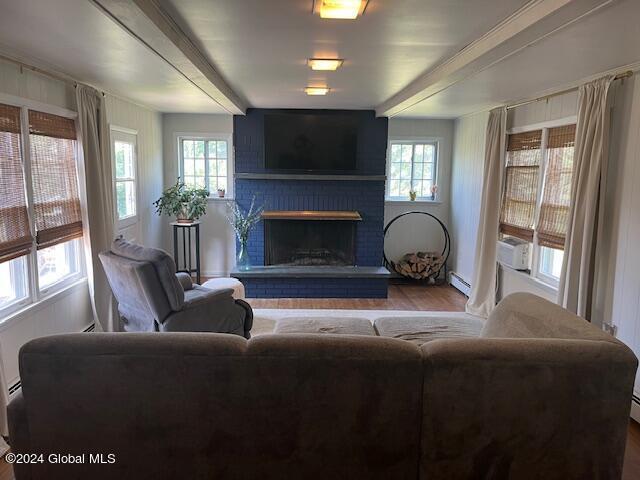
114,131
228,137
437,141
34,294
535,272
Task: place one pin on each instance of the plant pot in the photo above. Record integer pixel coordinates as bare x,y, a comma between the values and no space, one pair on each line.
183,216
221,193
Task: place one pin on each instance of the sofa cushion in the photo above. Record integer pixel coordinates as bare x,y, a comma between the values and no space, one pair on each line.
337,325
422,329
161,261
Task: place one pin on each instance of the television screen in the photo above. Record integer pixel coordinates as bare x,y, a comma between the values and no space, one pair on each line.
323,143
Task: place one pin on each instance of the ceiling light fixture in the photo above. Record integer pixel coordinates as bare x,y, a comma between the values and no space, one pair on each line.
344,9
324,63
316,90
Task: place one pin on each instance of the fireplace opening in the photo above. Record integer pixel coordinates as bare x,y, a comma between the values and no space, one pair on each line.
309,242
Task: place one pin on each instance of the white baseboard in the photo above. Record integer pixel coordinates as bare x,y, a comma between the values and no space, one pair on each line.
459,283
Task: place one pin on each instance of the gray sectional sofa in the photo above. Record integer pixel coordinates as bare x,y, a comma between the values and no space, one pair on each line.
537,393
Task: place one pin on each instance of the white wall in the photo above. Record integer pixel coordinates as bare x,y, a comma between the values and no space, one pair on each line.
413,233
27,84
217,244
619,293
466,190
553,108
148,125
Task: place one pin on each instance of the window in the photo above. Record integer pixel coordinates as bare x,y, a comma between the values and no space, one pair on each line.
40,220
57,263
13,284
537,194
124,172
205,163
412,166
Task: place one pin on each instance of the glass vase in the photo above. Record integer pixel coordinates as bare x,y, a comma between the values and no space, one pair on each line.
243,262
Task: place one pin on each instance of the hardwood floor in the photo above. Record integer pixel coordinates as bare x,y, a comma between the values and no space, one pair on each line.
408,297
401,297
632,453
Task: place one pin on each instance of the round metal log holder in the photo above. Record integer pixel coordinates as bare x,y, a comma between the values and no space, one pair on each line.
445,251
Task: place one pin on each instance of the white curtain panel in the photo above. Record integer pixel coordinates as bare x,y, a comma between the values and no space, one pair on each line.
98,214
483,287
575,292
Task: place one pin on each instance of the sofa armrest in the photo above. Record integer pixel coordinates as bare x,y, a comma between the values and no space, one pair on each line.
185,280
498,408
19,434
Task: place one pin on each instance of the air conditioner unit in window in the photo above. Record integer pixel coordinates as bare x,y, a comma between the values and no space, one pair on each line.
514,253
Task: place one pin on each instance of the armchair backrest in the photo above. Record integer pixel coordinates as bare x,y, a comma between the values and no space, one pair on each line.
144,282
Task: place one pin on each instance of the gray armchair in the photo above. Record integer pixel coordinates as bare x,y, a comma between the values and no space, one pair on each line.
152,297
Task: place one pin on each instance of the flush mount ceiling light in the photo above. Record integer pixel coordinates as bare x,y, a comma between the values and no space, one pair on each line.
324,63
316,90
344,9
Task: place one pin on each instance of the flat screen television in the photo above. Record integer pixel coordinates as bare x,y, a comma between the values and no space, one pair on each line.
307,142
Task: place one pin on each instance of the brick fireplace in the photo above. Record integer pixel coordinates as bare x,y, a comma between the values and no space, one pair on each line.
321,235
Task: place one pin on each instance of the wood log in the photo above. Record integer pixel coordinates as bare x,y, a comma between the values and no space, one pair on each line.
419,265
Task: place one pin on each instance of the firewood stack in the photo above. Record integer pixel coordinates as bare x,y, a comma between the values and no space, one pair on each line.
419,265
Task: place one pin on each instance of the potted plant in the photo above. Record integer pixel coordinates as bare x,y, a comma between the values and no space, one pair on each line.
186,203
221,192
412,195
242,222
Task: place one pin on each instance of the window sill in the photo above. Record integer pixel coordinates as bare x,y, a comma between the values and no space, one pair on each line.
219,199
41,304
420,201
536,282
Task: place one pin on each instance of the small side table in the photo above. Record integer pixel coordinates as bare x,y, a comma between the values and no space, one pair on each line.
184,263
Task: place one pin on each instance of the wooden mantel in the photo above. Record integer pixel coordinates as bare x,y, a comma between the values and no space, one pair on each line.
311,215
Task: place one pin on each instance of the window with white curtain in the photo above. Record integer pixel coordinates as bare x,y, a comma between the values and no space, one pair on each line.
537,193
40,220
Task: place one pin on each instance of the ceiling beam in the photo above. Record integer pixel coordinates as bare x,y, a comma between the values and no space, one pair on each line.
148,22
532,22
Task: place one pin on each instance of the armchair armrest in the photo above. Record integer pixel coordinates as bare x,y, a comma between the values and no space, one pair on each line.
207,310
199,295
185,280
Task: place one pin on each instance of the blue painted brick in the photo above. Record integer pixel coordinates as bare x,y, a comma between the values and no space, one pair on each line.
317,288
366,197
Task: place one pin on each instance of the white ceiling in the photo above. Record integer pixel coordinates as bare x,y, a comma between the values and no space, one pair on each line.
260,47
603,41
76,38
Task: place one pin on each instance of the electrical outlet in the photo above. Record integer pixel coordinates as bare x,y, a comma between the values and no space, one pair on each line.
610,329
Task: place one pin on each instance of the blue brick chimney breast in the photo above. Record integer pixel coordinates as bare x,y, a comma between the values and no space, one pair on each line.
365,196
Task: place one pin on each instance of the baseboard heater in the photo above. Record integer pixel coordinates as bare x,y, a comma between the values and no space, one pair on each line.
14,387
459,283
